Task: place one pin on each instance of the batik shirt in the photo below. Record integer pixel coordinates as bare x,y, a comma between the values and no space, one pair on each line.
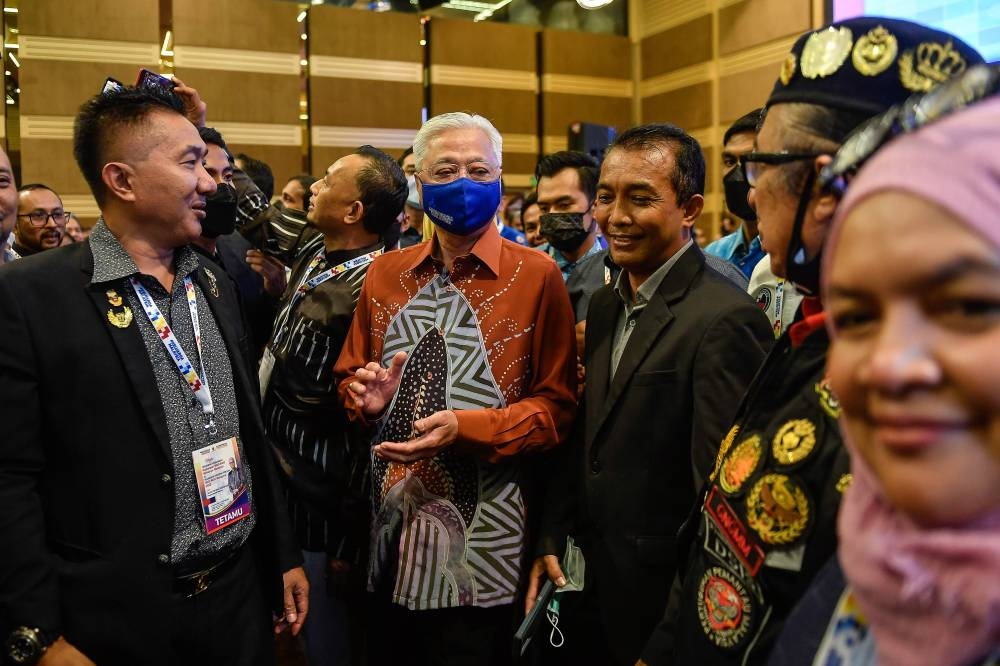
492,340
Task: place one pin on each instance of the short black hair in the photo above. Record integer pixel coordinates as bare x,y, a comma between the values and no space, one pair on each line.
210,135
382,187
586,168
305,180
530,199
748,122
30,187
102,116
688,178
259,172
402,158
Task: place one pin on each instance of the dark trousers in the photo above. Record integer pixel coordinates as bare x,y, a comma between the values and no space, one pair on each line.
464,636
228,624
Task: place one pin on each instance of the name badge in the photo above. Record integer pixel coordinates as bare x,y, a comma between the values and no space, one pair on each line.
264,372
221,476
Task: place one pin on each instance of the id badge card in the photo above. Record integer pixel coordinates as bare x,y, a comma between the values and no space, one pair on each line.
221,476
264,371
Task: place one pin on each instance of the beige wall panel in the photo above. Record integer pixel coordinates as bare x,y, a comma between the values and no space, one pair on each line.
497,45
753,22
359,103
50,161
511,111
256,25
126,20
245,96
741,93
337,31
285,161
560,110
585,54
688,108
58,88
711,168
514,163
678,47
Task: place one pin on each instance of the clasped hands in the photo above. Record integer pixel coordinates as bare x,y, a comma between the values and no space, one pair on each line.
373,388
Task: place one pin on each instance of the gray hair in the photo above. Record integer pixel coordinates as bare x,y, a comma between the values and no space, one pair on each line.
455,120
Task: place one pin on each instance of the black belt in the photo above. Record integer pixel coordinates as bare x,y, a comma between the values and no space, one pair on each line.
193,584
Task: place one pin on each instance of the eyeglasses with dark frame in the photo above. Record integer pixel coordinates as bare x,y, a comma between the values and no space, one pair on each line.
40,218
975,84
751,172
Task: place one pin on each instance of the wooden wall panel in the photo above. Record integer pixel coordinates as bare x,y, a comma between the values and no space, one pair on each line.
491,70
688,108
751,22
248,97
67,49
366,81
254,25
741,93
284,163
682,46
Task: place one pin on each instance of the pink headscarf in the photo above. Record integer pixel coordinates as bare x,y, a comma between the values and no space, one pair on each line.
932,595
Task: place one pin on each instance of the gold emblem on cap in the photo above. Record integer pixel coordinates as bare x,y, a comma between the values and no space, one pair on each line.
794,441
727,442
788,69
120,319
875,52
777,509
844,482
113,298
929,65
825,51
740,464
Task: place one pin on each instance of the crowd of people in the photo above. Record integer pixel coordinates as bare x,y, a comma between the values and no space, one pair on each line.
399,410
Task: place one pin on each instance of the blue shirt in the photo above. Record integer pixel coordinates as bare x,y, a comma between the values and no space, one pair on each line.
511,234
565,265
733,248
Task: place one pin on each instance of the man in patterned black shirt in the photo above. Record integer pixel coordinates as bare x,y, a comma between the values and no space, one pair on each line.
324,459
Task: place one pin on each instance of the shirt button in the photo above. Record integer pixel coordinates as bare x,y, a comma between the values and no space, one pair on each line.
163,558
166,478
595,466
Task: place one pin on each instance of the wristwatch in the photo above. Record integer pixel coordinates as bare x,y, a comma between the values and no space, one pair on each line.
26,645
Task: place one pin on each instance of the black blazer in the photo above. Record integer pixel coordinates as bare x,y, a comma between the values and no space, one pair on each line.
86,495
647,438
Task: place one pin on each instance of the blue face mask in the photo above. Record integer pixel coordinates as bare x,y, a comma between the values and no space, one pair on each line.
462,206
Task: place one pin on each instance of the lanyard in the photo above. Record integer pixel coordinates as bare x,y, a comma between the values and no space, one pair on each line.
779,298
312,283
198,384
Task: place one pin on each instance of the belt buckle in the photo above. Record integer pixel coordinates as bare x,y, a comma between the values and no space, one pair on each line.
201,583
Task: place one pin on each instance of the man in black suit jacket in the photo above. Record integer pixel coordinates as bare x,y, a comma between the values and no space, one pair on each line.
671,345
107,556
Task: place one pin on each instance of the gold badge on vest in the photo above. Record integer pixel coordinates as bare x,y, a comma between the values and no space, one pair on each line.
777,509
122,316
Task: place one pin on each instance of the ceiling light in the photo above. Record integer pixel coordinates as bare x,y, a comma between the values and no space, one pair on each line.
302,16
593,4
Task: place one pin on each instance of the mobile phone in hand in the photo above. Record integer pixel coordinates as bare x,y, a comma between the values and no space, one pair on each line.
150,79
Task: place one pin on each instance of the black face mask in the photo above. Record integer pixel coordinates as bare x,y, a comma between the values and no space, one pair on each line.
220,212
564,231
737,188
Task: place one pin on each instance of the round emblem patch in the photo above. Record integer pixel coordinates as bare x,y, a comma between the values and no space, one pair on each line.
764,298
740,464
794,441
777,509
724,608
825,51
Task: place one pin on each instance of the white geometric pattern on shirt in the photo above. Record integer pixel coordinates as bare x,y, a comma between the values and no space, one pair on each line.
435,568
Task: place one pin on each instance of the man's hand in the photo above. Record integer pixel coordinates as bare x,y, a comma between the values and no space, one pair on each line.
194,109
581,335
544,565
435,433
269,268
296,605
61,653
374,385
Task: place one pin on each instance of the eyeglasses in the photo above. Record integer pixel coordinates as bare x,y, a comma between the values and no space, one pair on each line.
750,163
973,85
447,172
40,218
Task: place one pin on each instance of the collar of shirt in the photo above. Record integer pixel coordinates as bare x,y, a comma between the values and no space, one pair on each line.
486,249
564,264
650,286
112,262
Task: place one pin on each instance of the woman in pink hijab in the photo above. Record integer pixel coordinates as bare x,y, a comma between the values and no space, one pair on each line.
911,282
